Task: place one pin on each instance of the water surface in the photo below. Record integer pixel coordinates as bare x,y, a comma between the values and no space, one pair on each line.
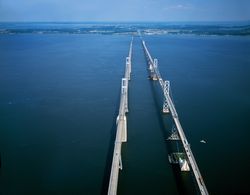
59,99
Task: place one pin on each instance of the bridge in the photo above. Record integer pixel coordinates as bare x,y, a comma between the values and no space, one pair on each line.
121,132
168,106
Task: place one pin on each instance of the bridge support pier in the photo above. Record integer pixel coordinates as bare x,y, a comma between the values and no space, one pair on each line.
128,66
125,91
120,162
165,108
124,130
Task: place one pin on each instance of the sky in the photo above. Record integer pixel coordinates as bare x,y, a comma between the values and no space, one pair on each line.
124,10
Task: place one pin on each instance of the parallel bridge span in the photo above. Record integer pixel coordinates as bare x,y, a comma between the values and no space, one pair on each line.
121,132
153,66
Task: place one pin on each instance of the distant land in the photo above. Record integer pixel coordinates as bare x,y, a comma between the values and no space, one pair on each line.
153,28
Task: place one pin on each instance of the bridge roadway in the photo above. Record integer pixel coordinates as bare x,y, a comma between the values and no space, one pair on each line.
186,145
121,132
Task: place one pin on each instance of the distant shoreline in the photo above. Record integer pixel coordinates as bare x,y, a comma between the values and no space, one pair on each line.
150,28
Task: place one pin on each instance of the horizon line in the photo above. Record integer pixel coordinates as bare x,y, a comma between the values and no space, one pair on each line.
117,21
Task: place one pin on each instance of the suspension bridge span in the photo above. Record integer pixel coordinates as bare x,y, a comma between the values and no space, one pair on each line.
168,106
121,131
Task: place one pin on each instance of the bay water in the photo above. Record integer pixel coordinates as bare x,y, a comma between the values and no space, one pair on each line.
59,99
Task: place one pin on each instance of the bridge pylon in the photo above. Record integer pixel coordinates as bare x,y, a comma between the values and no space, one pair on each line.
150,67
166,87
153,69
155,64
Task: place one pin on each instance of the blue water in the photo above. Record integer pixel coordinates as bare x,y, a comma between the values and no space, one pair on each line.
59,97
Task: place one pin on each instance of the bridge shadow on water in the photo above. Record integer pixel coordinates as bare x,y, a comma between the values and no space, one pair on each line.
109,158
166,123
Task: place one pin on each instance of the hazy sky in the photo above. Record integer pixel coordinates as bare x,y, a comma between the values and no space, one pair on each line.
124,10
